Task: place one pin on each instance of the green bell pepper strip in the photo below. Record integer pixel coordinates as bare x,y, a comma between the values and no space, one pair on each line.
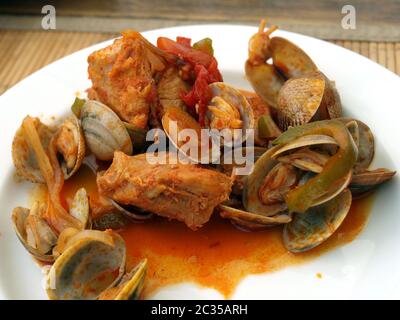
77,106
303,197
204,45
267,128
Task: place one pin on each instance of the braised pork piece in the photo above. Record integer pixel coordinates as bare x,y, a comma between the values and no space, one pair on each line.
184,192
122,77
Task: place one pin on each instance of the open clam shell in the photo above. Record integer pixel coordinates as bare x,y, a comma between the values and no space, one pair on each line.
34,233
367,181
112,220
23,155
229,109
93,262
103,130
79,208
308,230
253,221
138,136
266,164
354,130
175,121
265,80
70,143
253,183
297,153
364,139
130,286
307,98
306,159
65,239
229,163
289,59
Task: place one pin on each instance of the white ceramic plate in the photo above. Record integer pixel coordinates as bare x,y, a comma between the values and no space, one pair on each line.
368,267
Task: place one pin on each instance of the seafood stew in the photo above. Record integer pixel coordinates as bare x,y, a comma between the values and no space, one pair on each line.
309,162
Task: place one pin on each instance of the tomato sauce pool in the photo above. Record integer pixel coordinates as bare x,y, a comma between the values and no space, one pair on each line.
218,255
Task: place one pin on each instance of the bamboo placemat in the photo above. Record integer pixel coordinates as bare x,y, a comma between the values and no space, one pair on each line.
23,52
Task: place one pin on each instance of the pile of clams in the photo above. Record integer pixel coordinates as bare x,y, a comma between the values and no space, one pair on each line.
308,177
307,181
86,263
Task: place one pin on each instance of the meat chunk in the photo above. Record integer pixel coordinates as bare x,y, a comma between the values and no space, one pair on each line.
170,89
184,192
122,77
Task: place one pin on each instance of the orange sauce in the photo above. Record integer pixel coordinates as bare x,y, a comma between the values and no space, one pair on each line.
218,255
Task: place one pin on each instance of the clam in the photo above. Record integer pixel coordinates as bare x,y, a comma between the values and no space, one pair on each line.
138,136
306,160
366,181
70,144
229,163
79,208
229,112
252,221
292,83
36,234
267,184
308,230
64,240
364,139
229,109
271,180
132,213
298,154
337,169
130,286
23,155
33,232
103,130
262,195
266,80
92,262
175,121
289,59
112,220
307,98
352,126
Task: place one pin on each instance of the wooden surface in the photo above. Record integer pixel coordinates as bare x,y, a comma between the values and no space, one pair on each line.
23,52
375,20
25,47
